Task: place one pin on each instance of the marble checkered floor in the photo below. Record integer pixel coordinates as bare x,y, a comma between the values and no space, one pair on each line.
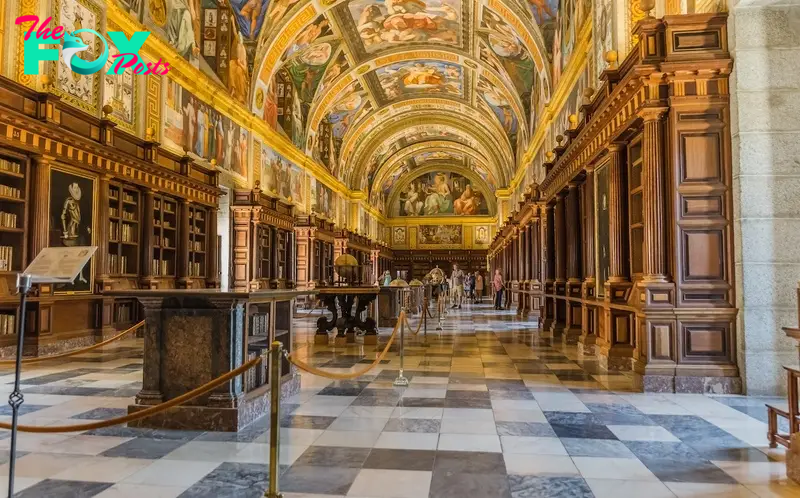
493,410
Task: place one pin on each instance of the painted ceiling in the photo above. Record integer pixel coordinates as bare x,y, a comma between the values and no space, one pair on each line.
372,89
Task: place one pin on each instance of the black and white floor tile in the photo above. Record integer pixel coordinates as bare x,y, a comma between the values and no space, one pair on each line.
493,410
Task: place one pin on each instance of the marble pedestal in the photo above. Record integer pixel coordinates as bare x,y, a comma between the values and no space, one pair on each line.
195,336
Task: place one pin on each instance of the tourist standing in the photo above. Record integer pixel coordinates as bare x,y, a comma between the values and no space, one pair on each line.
458,286
478,287
498,285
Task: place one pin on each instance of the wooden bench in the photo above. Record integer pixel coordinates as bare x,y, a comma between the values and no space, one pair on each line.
792,414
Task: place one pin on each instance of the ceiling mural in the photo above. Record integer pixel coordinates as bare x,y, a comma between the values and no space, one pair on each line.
420,78
357,84
387,23
440,192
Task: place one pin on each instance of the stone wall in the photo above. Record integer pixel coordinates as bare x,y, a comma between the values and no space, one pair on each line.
765,110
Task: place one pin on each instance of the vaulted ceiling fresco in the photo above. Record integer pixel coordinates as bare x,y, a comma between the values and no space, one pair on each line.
374,89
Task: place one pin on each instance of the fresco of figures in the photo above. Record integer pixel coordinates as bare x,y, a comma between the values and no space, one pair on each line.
79,90
323,201
499,105
286,100
383,23
434,235
119,91
502,50
441,194
280,177
420,77
193,126
217,37
438,155
350,106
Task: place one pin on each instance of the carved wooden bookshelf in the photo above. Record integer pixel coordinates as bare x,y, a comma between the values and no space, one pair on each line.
70,178
263,241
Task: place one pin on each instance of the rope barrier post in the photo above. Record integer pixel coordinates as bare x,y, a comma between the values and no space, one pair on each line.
439,310
425,343
401,381
16,398
274,419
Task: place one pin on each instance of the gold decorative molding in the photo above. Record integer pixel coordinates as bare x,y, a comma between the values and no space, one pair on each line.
25,8
152,108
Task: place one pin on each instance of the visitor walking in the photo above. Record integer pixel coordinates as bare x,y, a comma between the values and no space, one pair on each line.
499,286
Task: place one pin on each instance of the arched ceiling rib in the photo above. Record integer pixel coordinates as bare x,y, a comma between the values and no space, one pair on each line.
361,72
419,126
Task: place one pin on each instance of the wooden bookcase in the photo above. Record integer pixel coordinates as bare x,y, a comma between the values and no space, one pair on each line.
198,241
68,178
124,231
635,206
165,237
14,198
263,255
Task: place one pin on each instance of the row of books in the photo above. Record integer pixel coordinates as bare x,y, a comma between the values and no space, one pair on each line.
6,257
10,191
117,264
168,206
128,197
256,376
124,235
8,324
10,166
167,223
199,216
128,216
197,230
195,270
124,313
8,220
197,245
164,242
162,268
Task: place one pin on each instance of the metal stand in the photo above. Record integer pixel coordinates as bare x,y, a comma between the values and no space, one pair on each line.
16,398
425,343
274,419
401,381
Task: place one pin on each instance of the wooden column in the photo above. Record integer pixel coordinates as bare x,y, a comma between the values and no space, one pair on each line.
548,265
242,236
535,300
212,258
101,255
148,200
618,226
655,220
618,353
560,283
588,339
572,226
38,214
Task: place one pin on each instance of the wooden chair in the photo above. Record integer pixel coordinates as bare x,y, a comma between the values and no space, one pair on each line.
792,414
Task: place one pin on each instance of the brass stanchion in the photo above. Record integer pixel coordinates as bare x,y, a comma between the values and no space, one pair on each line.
401,381
274,419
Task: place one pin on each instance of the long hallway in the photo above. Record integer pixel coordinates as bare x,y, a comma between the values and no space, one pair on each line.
492,410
